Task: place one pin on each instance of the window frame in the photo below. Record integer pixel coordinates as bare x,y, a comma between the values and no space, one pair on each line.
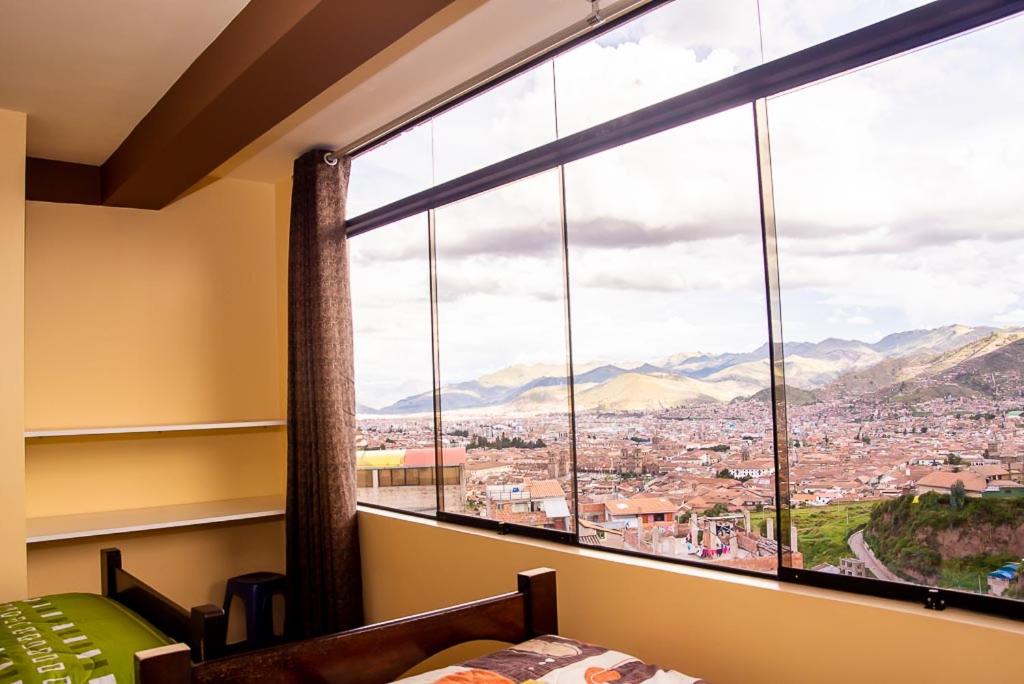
896,35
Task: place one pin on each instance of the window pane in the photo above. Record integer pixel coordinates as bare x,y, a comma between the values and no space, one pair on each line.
502,346
900,210
669,333
390,278
792,25
513,117
386,173
668,51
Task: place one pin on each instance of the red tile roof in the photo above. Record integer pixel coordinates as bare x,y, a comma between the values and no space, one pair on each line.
639,506
415,458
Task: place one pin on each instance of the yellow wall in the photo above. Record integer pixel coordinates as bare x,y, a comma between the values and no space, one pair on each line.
726,628
86,474
143,317
12,367
155,317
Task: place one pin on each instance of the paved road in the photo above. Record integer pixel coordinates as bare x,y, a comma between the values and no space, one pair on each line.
864,553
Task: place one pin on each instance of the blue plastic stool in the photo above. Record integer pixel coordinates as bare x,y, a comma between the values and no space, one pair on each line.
257,591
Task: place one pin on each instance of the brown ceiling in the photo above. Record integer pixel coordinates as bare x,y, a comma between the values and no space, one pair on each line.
270,60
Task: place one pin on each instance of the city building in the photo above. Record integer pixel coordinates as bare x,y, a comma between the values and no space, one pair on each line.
406,478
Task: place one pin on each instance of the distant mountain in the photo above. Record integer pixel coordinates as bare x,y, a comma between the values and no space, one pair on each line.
814,370
924,374
936,340
698,365
992,367
879,376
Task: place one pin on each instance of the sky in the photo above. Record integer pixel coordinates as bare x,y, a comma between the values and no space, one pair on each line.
896,193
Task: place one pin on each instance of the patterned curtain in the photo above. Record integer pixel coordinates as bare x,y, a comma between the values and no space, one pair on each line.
325,588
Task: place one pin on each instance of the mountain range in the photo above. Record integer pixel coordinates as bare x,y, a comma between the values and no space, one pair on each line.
905,365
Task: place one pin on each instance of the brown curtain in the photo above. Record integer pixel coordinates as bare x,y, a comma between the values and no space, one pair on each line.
325,588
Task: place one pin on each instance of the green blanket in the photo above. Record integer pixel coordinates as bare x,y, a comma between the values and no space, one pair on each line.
71,638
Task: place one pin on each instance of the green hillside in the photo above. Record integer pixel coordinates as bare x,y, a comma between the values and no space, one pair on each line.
822,531
934,542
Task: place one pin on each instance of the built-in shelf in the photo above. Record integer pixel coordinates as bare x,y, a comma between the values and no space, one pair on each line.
132,429
82,525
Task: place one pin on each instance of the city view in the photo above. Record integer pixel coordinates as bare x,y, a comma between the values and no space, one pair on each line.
668,450
900,254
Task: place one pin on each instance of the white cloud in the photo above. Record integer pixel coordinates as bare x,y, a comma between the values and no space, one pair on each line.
896,190
1011,318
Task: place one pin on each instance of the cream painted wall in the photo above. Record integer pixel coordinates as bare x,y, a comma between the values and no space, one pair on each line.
154,317
12,354
144,317
68,476
725,628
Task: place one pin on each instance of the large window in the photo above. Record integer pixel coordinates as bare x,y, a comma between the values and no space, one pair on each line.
502,349
669,343
901,245
594,351
390,283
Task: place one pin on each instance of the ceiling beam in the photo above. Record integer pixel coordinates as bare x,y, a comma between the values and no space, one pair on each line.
272,59
47,180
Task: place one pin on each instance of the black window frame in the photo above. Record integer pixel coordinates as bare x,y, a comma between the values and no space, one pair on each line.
890,37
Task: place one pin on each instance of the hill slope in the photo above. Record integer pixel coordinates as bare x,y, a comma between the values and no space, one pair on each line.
923,541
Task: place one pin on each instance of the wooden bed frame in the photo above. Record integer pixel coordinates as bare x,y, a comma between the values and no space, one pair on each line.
383,652
201,632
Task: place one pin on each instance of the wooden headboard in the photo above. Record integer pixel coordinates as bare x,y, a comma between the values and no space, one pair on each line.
382,652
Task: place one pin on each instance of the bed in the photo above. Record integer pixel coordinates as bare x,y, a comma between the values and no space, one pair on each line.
129,633
383,652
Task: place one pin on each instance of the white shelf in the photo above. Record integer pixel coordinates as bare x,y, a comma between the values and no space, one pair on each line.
187,427
82,525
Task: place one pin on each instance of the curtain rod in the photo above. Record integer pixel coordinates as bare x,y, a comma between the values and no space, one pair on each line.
600,20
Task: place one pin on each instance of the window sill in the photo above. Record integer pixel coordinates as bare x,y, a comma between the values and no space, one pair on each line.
710,574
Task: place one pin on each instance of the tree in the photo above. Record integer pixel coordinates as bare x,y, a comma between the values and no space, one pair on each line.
716,510
957,495
725,474
954,460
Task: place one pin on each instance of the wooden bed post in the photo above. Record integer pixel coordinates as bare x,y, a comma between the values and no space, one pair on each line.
110,563
170,664
541,601
209,631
